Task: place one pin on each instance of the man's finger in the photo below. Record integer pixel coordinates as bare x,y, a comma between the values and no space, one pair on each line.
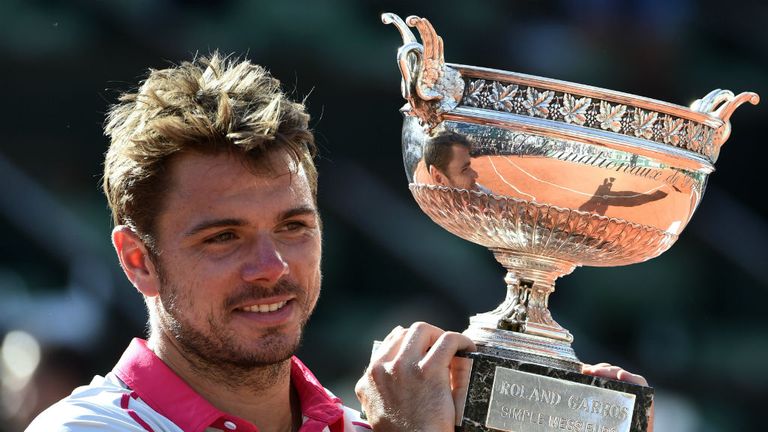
599,365
417,341
602,371
632,378
389,347
445,348
605,370
461,367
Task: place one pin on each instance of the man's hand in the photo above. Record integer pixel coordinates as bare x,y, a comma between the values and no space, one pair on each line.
412,379
614,372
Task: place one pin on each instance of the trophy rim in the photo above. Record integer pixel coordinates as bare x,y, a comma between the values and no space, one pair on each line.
590,112
591,91
435,89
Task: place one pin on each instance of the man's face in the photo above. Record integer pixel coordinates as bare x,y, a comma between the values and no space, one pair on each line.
459,171
239,259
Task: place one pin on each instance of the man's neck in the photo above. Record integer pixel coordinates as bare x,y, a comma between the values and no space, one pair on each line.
263,396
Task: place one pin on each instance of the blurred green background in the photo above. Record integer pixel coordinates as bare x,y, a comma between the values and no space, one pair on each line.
692,321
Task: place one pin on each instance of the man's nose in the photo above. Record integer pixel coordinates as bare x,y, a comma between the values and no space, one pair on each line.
264,263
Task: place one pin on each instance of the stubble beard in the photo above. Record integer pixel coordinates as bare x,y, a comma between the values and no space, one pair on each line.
216,352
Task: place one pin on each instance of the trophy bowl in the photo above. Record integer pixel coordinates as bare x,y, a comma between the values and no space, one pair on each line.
549,175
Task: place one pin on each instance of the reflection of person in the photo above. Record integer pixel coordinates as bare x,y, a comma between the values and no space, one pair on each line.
212,186
446,156
604,197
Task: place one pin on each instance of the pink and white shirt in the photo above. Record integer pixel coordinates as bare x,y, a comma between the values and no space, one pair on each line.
143,394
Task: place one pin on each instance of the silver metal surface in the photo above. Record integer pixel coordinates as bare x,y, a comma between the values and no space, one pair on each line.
553,175
525,402
460,395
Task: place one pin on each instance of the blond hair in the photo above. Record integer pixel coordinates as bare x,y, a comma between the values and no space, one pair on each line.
209,105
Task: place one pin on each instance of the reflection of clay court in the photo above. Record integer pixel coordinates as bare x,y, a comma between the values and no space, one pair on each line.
578,186
421,175
518,227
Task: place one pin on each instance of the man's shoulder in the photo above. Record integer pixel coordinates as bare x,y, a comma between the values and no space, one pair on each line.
100,405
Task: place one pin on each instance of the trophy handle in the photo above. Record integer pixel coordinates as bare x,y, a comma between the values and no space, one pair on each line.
408,56
430,87
433,61
722,104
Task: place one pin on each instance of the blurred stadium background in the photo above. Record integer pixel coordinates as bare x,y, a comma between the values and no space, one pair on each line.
692,321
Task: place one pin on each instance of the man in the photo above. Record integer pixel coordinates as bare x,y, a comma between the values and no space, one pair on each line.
210,179
446,157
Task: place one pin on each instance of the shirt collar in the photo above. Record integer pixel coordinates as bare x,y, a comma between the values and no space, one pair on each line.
160,388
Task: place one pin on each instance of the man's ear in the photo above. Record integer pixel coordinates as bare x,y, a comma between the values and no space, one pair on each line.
135,261
437,176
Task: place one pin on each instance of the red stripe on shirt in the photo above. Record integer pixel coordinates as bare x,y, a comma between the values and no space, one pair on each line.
124,401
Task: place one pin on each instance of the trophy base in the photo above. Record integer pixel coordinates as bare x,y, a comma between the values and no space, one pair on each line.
511,391
524,347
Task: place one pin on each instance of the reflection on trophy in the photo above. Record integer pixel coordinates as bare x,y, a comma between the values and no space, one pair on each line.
549,175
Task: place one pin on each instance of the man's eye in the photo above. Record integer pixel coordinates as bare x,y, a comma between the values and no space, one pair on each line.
293,226
297,227
221,238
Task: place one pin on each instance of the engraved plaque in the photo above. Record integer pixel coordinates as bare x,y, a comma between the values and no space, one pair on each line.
525,402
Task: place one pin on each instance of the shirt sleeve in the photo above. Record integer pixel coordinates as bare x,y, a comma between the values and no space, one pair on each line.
83,416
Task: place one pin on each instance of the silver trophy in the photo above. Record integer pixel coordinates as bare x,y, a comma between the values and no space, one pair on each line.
549,175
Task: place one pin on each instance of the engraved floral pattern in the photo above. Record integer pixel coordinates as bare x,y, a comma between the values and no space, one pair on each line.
671,130
695,136
537,102
502,97
610,116
474,93
643,123
591,113
575,110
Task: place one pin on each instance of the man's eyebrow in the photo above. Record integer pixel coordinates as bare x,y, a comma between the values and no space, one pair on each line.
213,223
232,222
298,211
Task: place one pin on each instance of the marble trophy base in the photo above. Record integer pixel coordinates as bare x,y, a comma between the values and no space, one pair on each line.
510,392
